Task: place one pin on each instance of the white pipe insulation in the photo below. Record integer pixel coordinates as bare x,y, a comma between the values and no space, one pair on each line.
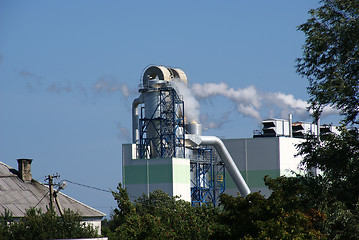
225,156
135,114
228,162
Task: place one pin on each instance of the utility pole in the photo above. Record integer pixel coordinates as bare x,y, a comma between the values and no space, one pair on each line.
50,179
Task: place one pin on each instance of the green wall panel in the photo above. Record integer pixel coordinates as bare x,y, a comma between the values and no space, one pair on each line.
159,173
254,179
181,174
135,174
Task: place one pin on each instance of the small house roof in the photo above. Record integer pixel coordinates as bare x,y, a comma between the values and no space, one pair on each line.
18,196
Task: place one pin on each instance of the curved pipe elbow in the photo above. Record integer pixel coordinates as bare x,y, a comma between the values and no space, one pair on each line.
228,161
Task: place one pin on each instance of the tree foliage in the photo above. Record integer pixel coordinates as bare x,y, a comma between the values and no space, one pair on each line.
335,190
159,216
331,57
37,225
331,63
337,159
281,216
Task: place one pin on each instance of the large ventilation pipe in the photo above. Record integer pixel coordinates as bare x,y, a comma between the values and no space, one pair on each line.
225,156
135,114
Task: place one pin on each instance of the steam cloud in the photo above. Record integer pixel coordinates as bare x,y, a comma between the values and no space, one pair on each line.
192,106
106,84
249,102
109,84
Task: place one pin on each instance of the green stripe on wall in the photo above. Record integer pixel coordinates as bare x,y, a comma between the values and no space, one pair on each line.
157,174
160,173
181,174
254,179
135,174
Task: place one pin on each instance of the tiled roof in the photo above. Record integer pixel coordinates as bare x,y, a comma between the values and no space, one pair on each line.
18,196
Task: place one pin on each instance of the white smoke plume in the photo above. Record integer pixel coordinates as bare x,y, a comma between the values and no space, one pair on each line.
247,100
250,102
191,105
109,84
286,103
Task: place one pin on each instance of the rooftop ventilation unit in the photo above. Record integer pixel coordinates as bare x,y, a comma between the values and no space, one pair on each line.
275,127
328,129
300,129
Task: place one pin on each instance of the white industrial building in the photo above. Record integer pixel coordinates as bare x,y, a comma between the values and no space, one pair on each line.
258,157
171,154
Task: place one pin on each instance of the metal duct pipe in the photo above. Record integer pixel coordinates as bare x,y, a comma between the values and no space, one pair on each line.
225,156
228,162
135,114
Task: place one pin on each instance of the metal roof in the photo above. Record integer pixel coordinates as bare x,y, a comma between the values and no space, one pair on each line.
17,196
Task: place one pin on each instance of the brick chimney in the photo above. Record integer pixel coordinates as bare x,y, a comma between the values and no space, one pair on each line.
25,169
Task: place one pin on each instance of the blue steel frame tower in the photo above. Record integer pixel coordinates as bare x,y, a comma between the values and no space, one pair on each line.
208,177
163,132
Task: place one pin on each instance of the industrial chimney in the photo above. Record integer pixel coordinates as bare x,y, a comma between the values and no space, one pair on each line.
24,166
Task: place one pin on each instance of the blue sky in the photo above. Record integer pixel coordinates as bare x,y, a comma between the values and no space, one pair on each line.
69,71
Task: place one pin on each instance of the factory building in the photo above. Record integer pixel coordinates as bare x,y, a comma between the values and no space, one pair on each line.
259,157
169,152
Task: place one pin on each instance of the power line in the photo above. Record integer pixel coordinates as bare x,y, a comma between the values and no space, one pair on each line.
108,191
84,185
41,199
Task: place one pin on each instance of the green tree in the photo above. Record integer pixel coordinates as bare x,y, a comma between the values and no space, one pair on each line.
37,225
331,57
5,220
337,159
284,215
159,216
331,63
335,190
